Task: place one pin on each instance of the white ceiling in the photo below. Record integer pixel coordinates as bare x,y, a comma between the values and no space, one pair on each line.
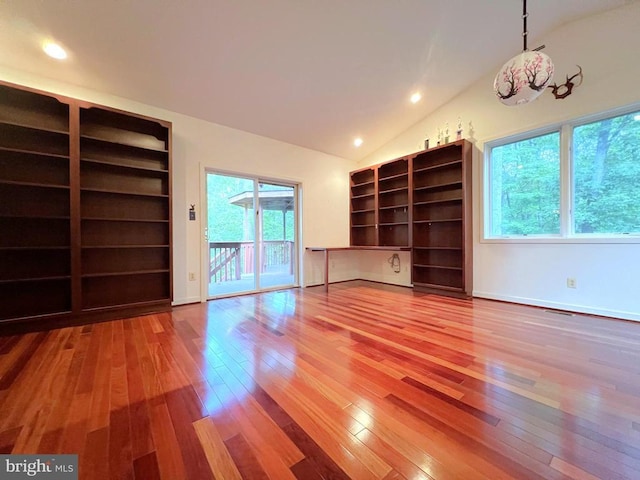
315,73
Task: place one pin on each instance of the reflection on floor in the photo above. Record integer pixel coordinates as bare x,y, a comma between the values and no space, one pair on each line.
247,283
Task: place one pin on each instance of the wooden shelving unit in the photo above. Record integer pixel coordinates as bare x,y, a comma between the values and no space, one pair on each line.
124,208
393,203
442,226
422,201
380,205
364,218
85,209
35,242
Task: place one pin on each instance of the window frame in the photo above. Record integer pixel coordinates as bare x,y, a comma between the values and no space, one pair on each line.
567,233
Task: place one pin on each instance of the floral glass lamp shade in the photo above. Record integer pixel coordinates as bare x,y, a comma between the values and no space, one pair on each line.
523,78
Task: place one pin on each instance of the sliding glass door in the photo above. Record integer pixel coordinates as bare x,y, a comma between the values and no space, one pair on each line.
251,244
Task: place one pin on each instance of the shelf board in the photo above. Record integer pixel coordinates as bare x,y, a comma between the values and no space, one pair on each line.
120,165
364,211
387,248
440,165
439,221
38,279
451,144
87,247
37,217
133,220
439,287
362,184
391,224
123,144
430,202
13,123
440,185
390,177
362,196
127,273
436,248
39,248
118,192
364,226
34,152
443,267
391,207
393,190
33,184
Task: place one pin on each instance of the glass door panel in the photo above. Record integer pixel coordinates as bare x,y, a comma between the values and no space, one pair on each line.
231,234
277,230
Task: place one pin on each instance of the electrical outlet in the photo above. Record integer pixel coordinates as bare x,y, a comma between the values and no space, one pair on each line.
571,283
192,277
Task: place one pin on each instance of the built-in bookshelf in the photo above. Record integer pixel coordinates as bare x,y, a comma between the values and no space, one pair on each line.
423,201
441,219
124,208
85,209
35,241
380,205
393,203
364,218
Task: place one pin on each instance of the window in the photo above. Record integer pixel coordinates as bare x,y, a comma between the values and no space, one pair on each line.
606,166
579,180
525,187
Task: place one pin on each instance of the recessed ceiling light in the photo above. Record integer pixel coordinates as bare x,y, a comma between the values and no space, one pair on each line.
357,142
415,98
54,50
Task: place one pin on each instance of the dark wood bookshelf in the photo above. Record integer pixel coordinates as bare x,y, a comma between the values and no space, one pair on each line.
85,210
442,241
383,192
422,201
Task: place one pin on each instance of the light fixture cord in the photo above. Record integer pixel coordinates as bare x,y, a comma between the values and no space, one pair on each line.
524,25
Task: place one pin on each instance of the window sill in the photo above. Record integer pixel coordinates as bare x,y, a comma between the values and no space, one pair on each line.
614,239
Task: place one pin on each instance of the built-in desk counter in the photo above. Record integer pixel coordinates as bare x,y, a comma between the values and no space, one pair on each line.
326,251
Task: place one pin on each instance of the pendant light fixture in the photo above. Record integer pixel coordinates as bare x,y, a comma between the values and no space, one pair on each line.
526,76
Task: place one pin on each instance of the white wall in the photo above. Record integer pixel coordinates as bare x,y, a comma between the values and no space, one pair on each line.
375,266
196,144
608,278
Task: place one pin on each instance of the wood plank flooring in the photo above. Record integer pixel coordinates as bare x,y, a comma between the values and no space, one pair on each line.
365,382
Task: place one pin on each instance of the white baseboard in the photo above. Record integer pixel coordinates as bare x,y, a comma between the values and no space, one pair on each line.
561,306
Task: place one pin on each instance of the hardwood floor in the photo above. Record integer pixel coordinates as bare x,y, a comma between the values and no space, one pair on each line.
363,382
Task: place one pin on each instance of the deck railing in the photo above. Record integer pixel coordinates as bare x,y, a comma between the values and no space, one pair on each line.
231,260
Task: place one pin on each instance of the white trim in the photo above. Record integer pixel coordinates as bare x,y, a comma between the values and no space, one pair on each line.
580,309
540,239
566,182
203,232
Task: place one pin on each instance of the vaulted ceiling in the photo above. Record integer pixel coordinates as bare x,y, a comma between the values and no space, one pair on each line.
314,73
